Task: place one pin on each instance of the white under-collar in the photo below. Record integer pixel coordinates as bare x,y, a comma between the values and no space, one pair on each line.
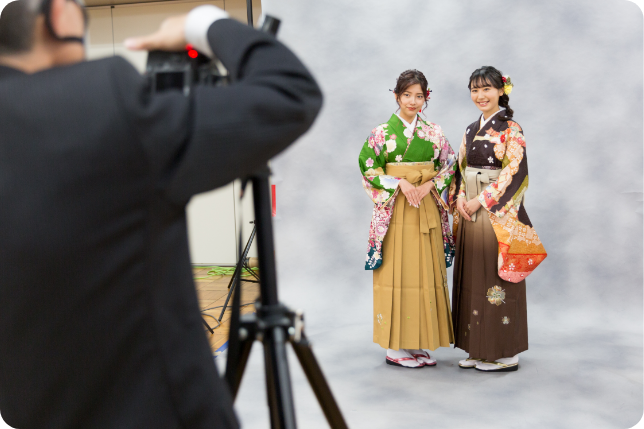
485,121
407,124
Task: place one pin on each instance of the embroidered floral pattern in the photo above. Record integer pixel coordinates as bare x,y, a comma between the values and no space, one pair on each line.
505,320
475,312
379,318
520,249
382,188
391,145
496,295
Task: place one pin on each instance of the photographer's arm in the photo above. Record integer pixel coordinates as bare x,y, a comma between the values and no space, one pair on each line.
221,133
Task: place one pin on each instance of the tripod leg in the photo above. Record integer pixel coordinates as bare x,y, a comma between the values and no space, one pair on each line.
318,383
207,326
238,353
233,284
278,380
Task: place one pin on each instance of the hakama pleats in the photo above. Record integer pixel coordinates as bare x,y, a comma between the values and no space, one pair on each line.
489,314
411,298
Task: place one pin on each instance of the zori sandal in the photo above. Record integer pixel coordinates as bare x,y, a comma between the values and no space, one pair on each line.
424,358
402,362
469,363
497,366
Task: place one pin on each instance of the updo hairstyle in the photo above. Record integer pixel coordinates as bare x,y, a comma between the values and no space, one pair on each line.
489,76
409,78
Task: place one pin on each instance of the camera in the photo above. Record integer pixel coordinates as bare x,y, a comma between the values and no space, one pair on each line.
184,70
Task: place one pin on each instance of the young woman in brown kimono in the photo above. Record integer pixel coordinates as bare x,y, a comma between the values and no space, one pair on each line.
489,292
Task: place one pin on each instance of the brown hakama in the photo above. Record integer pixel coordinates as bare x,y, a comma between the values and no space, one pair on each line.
489,314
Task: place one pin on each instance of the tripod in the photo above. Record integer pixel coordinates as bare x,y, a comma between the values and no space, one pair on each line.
242,264
274,325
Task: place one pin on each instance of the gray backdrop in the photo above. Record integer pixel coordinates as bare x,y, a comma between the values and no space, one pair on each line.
577,69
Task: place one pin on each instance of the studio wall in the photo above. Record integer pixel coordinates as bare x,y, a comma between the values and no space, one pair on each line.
212,226
577,69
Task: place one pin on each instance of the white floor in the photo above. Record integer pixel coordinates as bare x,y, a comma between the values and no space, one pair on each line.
570,378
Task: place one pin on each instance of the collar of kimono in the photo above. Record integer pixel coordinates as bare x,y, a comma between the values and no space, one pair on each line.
485,121
397,126
407,124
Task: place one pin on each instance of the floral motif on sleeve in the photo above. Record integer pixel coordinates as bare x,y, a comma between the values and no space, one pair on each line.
380,187
445,165
505,195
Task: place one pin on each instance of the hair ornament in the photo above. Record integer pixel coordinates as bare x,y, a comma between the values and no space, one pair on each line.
427,94
507,84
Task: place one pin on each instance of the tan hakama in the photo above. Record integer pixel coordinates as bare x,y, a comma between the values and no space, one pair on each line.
411,298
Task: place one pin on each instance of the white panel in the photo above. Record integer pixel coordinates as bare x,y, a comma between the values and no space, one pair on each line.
143,19
246,209
101,39
211,227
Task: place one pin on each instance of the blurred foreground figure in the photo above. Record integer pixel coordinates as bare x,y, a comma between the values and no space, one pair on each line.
99,320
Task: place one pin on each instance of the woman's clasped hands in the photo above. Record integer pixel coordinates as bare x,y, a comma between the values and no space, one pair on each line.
415,194
467,208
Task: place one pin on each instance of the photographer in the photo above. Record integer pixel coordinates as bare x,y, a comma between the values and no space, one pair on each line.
99,320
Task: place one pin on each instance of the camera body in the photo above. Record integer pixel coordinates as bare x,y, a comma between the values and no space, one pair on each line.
183,70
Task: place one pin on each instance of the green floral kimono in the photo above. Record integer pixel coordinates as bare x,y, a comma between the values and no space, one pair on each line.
393,143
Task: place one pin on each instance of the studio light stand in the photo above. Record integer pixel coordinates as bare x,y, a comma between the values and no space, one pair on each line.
274,325
242,264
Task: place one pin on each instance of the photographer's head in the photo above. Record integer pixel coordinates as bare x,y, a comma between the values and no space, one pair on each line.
39,34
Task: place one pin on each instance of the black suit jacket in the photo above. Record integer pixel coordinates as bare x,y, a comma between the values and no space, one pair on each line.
99,319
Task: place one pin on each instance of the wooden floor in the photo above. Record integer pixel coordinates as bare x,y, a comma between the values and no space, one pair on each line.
212,292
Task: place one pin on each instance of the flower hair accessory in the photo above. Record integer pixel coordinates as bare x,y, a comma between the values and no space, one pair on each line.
507,84
427,93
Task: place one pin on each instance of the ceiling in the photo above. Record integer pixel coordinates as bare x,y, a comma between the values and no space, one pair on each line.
94,3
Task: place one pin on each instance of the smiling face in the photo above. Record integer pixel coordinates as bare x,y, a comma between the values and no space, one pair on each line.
486,98
411,101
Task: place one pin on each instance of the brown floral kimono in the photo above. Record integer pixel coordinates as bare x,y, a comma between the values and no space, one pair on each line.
498,248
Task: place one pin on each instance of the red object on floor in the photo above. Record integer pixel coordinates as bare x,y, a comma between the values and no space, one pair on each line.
274,203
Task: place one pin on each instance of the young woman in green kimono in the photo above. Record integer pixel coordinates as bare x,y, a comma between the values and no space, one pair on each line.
407,167
496,246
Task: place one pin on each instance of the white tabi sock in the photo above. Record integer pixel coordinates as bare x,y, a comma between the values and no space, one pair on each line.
508,361
397,354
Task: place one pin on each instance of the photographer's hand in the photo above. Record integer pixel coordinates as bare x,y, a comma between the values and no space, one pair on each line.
170,37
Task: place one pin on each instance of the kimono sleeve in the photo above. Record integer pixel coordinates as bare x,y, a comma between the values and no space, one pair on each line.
379,186
506,194
457,190
446,163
